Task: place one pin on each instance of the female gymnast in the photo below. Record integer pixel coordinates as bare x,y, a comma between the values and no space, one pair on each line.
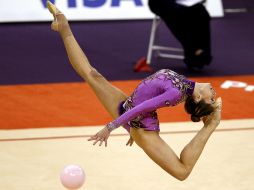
137,113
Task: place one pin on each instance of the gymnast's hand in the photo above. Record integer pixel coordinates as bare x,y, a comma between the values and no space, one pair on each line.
214,118
130,141
101,136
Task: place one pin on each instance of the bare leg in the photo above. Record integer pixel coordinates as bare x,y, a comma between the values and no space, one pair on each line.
162,154
109,95
165,157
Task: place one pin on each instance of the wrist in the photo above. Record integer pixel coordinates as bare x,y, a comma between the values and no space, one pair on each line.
110,126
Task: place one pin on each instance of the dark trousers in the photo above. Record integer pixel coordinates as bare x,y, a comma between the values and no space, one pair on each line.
191,27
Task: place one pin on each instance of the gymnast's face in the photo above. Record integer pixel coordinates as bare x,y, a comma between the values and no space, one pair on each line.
208,94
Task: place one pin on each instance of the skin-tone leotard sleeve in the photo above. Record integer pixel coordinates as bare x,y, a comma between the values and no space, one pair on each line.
168,98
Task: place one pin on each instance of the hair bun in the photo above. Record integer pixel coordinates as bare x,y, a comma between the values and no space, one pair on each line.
195,118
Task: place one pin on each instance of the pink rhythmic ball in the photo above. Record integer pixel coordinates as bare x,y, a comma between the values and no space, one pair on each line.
72,177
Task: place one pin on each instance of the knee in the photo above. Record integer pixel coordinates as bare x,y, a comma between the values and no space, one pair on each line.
179,171
198,61
94,74
181,176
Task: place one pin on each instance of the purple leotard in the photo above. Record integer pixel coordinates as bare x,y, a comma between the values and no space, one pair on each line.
164,88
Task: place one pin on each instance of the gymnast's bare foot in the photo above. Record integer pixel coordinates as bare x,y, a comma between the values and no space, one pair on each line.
60,23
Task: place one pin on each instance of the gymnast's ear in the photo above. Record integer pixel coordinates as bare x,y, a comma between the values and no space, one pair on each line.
197,98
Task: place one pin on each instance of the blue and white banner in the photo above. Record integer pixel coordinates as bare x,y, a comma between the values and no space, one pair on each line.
35,10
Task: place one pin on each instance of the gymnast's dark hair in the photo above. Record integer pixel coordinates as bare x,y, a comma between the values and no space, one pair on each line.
197,110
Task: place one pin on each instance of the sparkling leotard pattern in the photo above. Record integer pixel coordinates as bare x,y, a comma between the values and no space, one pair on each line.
163,88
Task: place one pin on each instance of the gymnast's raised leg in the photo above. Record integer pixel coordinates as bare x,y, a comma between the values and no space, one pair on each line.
109,95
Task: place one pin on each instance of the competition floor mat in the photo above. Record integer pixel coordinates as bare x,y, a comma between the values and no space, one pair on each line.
45,127
33,158
74,104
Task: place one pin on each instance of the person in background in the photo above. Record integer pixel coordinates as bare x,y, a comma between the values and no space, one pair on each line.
189,22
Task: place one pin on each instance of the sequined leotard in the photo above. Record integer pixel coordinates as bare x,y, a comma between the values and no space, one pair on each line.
164,88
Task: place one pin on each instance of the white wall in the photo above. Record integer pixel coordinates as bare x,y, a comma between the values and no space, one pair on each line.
35,10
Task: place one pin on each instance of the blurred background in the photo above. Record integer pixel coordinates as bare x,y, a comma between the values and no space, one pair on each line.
115,35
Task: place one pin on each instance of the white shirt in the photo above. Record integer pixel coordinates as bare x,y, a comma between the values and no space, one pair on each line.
188,3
